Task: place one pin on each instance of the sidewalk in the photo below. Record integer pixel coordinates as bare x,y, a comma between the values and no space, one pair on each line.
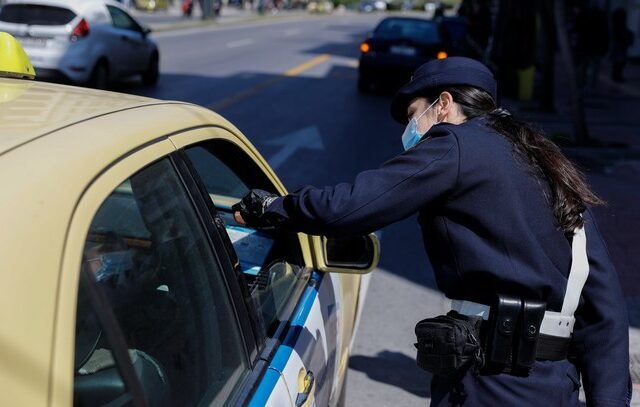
172,18
613,170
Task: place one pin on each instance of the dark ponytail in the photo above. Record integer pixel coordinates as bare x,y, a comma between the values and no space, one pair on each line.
570,193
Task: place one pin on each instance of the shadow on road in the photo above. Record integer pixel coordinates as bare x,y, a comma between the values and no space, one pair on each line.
395,369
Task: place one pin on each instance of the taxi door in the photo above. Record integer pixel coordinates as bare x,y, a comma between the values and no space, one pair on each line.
303,317
293,308
326,314
306,358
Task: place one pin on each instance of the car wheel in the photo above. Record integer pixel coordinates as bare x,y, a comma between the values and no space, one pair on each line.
151,75
100,76
364,83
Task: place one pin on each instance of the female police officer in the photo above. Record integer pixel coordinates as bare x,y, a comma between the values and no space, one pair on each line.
498,205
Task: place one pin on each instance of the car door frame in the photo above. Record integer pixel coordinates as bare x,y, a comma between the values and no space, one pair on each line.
87,206
61,376
262,353
167,146
183,140
303,299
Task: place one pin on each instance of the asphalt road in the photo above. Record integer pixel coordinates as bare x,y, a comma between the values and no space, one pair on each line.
290,86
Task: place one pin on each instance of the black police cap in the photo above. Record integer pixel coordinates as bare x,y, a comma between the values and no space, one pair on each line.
438,73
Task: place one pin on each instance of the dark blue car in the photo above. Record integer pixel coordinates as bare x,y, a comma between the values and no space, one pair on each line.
397,46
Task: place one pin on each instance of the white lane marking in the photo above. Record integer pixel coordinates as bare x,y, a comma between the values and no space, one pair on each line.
291,32
351,62
239,43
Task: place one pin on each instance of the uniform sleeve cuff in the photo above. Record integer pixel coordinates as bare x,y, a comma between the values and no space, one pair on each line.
277,206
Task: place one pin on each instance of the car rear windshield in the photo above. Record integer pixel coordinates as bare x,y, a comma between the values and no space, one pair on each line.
33,14
423,31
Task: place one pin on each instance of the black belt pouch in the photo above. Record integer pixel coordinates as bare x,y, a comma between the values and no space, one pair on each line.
532,315
448,345
503,322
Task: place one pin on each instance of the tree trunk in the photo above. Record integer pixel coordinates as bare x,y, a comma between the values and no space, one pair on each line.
580,131
547,55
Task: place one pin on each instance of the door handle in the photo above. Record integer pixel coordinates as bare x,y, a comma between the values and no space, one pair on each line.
303,399
124,38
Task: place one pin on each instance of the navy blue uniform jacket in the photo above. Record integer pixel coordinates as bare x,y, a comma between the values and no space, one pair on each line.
487,227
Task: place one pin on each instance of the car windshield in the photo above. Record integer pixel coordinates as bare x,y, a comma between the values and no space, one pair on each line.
423,31
33,14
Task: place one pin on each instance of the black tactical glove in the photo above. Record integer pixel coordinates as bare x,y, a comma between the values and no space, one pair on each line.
252,208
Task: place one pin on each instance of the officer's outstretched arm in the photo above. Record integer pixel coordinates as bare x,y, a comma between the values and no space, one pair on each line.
601,333
396,190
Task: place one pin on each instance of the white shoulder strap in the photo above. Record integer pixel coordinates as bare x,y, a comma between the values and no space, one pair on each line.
578,273
554,323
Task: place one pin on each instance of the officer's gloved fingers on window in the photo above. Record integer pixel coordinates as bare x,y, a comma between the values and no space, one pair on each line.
237,216
251,209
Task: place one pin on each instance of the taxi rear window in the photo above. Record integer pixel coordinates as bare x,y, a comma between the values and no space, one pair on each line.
33,14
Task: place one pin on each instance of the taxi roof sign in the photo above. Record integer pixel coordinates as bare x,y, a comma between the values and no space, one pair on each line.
14,62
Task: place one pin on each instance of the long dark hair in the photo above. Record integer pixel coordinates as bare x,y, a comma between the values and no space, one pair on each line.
570,193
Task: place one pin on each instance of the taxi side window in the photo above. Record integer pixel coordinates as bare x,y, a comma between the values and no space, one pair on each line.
156,271
271,261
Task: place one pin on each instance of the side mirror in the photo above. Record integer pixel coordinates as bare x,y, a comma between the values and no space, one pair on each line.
353,254
146,31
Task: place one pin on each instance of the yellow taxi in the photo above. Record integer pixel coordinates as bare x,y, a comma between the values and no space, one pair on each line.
126,281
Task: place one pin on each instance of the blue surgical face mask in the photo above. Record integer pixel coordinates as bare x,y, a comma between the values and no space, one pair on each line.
411,135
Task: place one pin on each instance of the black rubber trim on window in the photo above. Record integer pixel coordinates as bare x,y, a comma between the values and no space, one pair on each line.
230,268
249,173
248,389
234,279
115,337
225,252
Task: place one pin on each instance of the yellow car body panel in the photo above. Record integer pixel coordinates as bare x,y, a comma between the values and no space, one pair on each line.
63,348
34,109
63,150
44,173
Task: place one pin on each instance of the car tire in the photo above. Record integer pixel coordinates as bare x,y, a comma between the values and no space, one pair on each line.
151,75
100,76
364,84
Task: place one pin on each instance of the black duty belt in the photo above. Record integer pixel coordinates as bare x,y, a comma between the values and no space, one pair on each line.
516,332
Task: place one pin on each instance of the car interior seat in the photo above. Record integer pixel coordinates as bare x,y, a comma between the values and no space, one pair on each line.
97,380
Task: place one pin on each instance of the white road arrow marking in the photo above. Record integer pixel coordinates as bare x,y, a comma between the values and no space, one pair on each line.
308,137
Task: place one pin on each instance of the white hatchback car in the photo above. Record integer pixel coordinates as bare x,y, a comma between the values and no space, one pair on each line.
84,41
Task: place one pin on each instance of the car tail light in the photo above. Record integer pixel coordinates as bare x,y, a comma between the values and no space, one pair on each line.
81,30
364,48
442,55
